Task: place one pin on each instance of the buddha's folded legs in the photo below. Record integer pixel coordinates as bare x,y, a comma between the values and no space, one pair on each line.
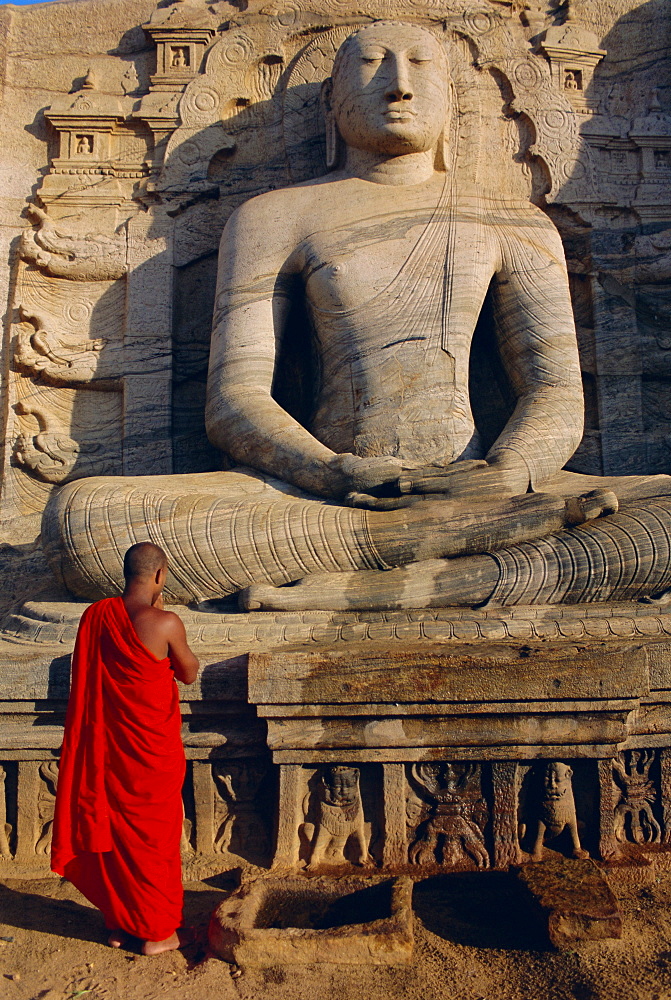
225,531
624,556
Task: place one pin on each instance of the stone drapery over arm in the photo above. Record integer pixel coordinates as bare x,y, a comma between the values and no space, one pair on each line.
251,306
538,347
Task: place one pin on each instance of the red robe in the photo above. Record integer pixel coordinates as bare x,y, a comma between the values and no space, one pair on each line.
118,821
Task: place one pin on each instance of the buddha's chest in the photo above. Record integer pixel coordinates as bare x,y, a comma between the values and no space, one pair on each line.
348,266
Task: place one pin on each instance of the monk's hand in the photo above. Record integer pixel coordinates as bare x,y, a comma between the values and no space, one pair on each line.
352,474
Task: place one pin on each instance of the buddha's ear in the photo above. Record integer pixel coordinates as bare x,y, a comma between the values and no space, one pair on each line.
446,147
332,143
325,94
441,157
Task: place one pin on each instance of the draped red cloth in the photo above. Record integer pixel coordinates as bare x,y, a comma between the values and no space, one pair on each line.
118,820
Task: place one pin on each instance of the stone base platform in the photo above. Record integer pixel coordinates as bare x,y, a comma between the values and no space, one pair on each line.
424,738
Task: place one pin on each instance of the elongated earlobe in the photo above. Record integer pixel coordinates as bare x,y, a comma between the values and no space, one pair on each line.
331,141
332,150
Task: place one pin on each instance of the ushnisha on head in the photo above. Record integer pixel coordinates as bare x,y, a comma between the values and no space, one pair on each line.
389,92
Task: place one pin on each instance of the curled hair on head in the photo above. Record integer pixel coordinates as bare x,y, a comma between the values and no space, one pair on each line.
143,559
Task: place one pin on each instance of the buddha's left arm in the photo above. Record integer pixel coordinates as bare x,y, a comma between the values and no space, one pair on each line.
537,340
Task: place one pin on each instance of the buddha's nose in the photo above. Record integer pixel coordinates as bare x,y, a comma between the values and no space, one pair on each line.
399,88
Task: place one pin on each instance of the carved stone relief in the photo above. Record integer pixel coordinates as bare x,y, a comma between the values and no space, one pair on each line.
339,820
634,773
5,828
46,802
552,811
40,350
240,824
220,103
454,816
61,254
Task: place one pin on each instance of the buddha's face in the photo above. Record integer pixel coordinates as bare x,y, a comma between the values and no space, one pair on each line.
390,91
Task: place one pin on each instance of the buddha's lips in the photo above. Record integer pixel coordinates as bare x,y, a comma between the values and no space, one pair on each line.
400,116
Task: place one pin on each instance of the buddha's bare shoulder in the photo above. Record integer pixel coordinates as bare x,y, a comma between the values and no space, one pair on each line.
500,210
289,203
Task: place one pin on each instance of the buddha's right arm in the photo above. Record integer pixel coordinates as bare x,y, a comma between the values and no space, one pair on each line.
258,264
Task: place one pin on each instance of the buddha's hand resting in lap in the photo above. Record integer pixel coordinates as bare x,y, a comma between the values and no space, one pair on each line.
358,480
353,474
473,479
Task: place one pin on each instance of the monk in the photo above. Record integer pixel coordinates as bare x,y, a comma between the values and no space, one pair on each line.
118,820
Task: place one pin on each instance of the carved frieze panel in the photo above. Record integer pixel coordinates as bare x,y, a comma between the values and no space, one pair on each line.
637,801
241,819
447,816
414,816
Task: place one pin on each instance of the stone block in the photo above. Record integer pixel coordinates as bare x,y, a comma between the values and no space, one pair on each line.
460,672
574,900
345,922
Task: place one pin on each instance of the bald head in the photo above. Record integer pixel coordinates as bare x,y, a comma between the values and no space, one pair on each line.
143,560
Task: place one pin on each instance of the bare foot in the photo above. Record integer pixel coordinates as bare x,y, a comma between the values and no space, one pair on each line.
589,506
156,947
305,594
116,938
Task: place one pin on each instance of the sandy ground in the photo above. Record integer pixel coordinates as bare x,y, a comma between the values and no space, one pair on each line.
475,939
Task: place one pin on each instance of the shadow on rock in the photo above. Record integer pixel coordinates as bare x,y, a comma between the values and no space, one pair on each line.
479,909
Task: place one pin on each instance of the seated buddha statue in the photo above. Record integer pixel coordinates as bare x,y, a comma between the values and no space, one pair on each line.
387,496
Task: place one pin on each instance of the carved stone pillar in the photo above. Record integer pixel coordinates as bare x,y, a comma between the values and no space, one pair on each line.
27,817
203,797
665,793
289,816
504,812
395,849
608,845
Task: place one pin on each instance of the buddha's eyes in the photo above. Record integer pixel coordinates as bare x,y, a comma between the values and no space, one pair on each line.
417,57
373,55
420,56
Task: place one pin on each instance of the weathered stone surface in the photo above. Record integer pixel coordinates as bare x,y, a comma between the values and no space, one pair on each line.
575,901
299,920
486,672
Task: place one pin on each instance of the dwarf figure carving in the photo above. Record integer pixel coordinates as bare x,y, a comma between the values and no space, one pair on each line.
450,822
339,817
46,803
557,810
